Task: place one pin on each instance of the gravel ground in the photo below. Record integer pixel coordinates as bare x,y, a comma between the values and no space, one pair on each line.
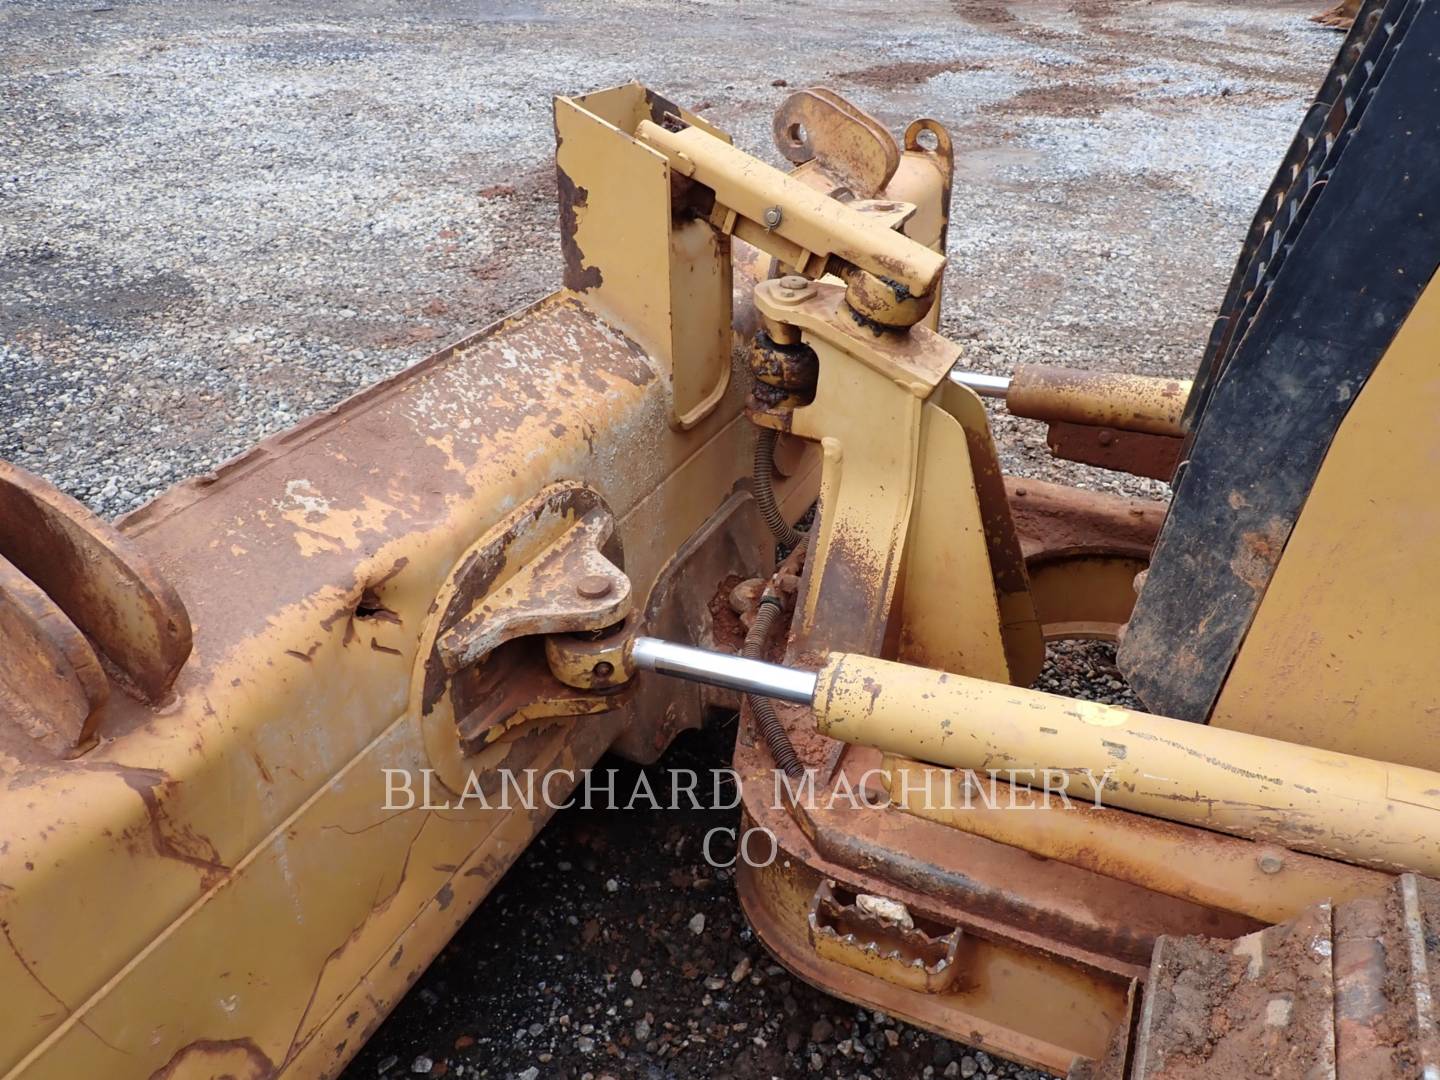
218,218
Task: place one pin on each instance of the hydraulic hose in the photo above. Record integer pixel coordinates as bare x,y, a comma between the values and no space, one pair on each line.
763,709
785,534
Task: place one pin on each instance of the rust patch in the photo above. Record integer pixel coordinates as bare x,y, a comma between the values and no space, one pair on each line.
578,277
483,568
238,1059
366,459
99,578
1051,519
1136,452
660,106
856,586
52,685
1259,552
186,845
445,896
368,606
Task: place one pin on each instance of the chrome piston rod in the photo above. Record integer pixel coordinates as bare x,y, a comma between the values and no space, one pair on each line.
992,386
724,670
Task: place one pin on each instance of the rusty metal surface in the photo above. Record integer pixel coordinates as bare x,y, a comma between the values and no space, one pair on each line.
1018,993
1261,881
848,144
539,573
1083,552
1136,452
1075,911
568,585
1115,1064
108,587
1259,1006
1085,594
1363,1041
882,301
733,545
516,688
785,375
1051,519
52,686
917,360
1078,937
261,788
1344,991
916,957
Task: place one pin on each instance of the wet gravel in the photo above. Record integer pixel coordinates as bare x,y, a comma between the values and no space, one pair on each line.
217,219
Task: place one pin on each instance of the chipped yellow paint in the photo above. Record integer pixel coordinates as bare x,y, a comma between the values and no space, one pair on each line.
265,893
1317,801
1098,714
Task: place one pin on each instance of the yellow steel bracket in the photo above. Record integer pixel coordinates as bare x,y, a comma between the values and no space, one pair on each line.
909,474
909,478
532,625
891,279
662,278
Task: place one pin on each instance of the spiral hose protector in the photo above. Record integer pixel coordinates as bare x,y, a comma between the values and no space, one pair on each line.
762,708
784,533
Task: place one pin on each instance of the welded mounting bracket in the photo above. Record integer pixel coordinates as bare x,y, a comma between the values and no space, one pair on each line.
535,622
568,587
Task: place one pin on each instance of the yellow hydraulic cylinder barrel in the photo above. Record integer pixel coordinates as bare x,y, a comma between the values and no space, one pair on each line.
1371,813
1099,399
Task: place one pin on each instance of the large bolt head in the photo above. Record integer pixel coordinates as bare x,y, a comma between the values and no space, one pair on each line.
594,586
